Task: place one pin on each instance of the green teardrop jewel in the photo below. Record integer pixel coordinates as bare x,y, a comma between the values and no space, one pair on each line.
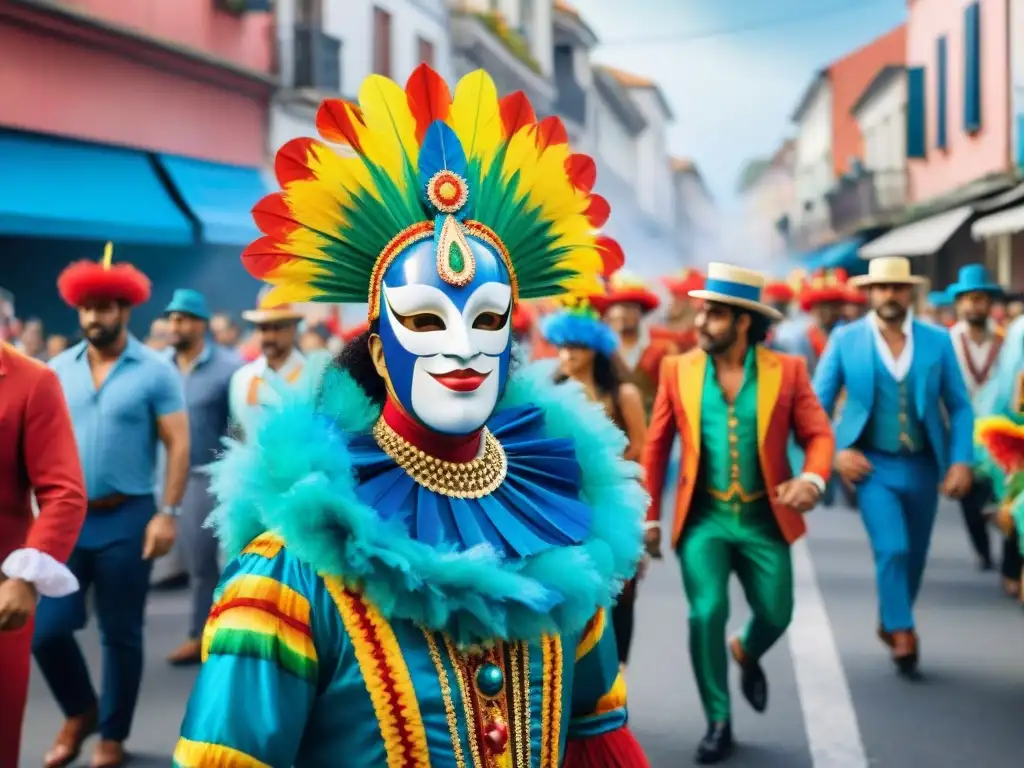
455,258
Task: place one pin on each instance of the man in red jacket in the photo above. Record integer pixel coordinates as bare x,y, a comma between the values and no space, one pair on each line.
37,454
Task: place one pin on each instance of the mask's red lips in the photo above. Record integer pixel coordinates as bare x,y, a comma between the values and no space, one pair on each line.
461,380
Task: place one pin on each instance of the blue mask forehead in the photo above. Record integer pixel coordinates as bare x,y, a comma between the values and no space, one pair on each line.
417,265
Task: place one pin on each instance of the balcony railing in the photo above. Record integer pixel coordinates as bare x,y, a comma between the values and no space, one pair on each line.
867,199
317,59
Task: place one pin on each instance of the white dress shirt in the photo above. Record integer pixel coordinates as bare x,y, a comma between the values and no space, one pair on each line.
899,367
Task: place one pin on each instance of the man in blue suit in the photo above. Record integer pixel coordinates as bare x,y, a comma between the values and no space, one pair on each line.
905,435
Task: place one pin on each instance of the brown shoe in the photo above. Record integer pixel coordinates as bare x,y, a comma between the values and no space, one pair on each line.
189,652
108,754
905,653
68,744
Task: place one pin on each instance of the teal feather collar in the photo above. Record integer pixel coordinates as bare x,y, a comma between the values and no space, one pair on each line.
295,477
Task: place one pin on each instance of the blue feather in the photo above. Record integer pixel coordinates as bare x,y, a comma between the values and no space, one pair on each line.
441,150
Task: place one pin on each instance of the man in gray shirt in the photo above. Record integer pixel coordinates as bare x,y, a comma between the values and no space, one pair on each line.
206,369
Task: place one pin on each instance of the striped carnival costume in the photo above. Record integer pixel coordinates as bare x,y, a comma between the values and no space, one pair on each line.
422,562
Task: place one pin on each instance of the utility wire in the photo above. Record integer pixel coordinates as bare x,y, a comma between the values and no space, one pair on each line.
779,21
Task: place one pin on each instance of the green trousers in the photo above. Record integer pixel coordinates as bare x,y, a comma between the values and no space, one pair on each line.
713,546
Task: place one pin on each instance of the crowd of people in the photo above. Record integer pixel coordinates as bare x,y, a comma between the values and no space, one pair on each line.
413,519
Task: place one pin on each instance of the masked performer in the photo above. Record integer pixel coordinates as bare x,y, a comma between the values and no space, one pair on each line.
896,446
733,400
625,305
423,561
586,348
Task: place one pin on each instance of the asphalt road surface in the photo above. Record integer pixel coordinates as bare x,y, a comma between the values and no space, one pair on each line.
835,699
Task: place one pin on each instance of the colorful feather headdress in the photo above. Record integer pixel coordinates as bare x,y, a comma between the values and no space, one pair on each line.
579,324
419,164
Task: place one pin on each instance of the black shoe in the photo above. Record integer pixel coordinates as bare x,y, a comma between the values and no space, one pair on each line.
754,685
716,745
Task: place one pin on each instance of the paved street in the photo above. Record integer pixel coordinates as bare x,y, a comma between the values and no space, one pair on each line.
848,704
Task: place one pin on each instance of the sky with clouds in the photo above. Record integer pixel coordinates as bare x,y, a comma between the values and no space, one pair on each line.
733,70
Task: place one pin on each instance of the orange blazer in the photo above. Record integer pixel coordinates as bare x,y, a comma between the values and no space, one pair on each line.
785,404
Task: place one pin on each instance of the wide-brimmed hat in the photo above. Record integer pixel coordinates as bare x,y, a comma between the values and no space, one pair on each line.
736,286
625,288
887,270
188,302
778,291
939,299
270,312
85,281
680,285
974,277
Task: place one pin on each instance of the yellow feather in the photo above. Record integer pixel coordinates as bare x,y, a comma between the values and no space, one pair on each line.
475,116
290,293
391,127
108,255
295,270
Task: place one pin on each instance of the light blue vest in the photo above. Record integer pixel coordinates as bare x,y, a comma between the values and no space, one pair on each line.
894,426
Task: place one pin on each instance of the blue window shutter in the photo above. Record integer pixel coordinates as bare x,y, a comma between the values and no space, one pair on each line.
972,68
940,94
916,133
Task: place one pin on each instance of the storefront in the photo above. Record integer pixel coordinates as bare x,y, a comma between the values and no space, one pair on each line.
110,131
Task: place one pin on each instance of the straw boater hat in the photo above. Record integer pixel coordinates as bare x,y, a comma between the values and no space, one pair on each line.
263,314
887,270
739,287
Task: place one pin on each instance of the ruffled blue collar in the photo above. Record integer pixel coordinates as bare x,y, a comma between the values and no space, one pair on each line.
540,555
536,507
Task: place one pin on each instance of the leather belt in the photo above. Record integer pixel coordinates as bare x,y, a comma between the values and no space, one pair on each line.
106,503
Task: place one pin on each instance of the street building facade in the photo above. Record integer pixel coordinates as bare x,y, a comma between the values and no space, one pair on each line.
152,134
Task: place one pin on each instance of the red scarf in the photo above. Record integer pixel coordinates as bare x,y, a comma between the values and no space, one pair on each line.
980,377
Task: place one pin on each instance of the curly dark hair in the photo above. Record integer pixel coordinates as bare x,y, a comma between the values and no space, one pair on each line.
759,326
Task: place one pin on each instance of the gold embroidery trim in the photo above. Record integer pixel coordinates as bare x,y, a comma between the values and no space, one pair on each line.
465,687
735,492
465,480
551,702
521,702
446,696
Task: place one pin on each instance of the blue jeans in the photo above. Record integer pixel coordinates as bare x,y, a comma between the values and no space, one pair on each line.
898,502
107,560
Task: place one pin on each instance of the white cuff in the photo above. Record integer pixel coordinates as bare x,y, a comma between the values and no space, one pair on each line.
816,480
49,577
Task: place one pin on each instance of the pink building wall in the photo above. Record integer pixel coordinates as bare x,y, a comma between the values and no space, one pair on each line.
58,78
967,156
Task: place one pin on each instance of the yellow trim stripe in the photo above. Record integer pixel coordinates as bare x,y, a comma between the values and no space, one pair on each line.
386,676
202,754
268,545
592,634
614,699
551,702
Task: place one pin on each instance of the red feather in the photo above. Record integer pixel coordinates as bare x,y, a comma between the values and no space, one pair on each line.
614,749
516,113
273,217
551,131
598,211
292,161
428,97
334,122
612,255
263,256
582,172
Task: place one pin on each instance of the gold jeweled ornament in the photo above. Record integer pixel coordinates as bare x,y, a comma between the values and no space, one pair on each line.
465,480
455,262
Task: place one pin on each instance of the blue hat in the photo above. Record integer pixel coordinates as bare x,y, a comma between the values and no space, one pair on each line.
578,328
973,277
939,299
188,302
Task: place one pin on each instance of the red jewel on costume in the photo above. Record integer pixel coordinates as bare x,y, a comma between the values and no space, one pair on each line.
447,191
496,736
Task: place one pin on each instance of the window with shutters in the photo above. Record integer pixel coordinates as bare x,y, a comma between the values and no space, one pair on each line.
424,51
941,105
381,42
916,122
972,68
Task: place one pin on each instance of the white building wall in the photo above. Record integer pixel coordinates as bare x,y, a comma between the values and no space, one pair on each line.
814,174
611,140
883,124
653,173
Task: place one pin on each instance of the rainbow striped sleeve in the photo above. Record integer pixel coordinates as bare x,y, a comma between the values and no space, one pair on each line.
598,689
261,664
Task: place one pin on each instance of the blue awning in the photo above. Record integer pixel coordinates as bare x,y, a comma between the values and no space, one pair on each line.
840,255
219,196
51,187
